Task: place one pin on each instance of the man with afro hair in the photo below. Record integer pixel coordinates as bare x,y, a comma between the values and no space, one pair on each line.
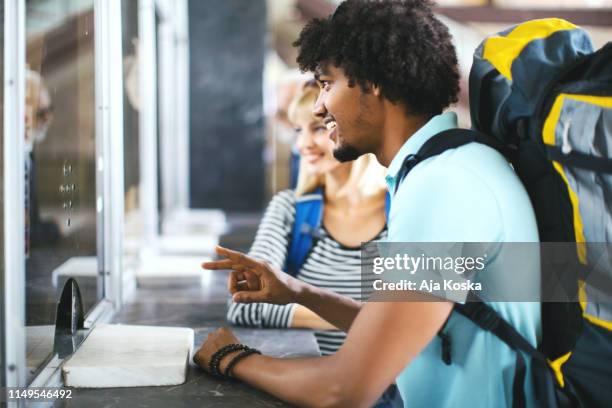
387,71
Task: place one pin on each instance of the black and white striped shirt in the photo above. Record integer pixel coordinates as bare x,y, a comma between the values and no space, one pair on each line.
329,265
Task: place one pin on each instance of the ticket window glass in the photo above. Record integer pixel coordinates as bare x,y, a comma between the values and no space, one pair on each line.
61,228
133,226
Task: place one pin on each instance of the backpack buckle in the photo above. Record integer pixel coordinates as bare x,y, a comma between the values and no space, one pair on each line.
307,229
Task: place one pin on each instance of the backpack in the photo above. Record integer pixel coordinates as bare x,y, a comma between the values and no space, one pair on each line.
306,228
542,97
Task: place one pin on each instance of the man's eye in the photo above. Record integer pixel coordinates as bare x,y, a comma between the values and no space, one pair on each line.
298,130
320,129
323,84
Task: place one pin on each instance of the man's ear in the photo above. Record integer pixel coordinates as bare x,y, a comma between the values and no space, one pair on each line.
376,90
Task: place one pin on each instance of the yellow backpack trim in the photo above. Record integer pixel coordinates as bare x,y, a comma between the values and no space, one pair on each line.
582,297
548,136
502,51
556,367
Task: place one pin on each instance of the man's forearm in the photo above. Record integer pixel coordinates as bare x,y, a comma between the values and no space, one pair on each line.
338,310
314,382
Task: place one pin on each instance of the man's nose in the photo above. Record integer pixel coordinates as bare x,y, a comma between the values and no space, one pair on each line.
319,110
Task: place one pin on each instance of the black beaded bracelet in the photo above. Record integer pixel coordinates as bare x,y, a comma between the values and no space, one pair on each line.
235,360
215,360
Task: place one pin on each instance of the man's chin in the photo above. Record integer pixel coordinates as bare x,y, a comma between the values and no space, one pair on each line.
346,153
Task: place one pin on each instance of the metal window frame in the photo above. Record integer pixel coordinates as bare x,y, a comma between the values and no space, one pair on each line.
109,183
166,74
182,102
109,148
173,48
148,125
2,291
14,187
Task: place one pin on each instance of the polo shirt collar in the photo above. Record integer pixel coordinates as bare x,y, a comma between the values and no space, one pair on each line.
435,125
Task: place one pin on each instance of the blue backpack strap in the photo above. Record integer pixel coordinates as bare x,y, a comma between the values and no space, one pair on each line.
387,205
308,214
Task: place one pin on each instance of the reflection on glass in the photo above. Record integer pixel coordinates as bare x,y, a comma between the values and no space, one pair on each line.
131,146
60,164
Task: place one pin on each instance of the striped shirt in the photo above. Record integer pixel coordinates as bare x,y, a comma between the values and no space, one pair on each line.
329,265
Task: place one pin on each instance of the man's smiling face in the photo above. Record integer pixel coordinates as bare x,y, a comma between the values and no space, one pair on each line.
353,115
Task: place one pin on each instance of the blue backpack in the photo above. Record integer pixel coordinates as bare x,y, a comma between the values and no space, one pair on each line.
306,227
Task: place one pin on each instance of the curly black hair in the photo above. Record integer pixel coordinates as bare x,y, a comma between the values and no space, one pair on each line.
398,45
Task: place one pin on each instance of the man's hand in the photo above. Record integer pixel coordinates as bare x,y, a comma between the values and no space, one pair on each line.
254,281
215,340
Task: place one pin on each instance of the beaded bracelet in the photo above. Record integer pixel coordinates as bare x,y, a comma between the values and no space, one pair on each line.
235,360
215,360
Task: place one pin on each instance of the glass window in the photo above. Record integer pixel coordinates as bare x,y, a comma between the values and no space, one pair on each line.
61,221
133,228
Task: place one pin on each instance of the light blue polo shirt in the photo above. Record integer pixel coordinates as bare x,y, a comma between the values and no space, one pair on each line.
467,194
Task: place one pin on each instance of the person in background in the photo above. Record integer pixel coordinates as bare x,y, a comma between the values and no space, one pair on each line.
38,118
353,190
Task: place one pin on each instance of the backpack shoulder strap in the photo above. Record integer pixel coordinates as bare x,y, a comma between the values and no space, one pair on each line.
387,205
446,140
453,138
486,318
308,212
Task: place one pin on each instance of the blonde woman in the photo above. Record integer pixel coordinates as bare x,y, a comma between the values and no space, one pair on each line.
353,211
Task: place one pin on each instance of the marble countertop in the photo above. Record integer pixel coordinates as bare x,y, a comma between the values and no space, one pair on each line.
201,389
203,309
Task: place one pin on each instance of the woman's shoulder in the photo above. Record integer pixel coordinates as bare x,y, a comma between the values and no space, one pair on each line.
283,202
284,197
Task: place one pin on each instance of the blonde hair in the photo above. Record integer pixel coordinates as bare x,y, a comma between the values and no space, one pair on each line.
367,176
302,104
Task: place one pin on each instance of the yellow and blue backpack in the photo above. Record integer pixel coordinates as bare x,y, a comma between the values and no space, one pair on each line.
542,96
541,89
